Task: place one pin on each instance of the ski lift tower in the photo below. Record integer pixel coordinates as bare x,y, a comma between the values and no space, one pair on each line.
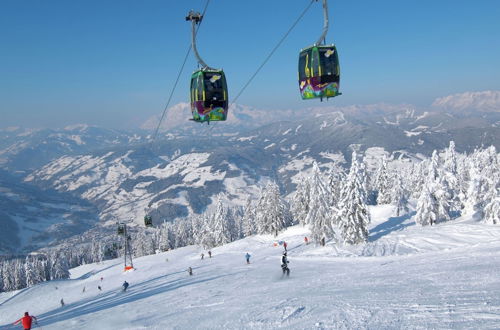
127,263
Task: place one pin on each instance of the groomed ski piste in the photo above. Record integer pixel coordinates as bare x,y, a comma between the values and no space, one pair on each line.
406,277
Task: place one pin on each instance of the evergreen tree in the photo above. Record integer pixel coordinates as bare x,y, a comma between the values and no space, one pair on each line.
475,193
399,196
336,177
353,217
19,274
222,225
383,183
272,212
8,276
426,208
96,251
321,212
301,201
30,271
248,220
492,210
59,267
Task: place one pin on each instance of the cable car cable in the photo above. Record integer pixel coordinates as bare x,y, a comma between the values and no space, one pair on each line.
177,80
272,52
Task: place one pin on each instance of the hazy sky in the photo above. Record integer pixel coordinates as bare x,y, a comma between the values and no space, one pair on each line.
113,63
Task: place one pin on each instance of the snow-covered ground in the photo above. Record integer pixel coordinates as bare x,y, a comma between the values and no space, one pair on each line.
406,277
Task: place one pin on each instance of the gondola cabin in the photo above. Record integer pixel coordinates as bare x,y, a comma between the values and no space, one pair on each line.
148,221
209,100
319,72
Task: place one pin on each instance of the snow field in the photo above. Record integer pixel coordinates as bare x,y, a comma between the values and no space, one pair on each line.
406,276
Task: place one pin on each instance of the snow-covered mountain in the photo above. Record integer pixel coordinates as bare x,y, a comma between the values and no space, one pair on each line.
32,218
405,277
23,150
182,174
485,101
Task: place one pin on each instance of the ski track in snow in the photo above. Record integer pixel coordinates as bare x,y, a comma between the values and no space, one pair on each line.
405,277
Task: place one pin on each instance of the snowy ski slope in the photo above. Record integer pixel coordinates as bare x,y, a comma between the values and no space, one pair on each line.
406,277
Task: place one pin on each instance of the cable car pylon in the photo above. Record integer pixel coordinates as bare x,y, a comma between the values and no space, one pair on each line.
209,98
127,249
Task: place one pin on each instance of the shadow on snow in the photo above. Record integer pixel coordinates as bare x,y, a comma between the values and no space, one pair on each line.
115,298
392,224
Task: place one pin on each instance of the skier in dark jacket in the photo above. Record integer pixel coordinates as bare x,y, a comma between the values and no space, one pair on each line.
125,286
26,321
247,257
284,264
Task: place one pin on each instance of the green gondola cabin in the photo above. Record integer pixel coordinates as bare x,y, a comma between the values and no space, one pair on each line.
319,72
209,100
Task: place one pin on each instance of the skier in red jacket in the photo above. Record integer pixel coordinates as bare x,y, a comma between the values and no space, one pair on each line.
26,321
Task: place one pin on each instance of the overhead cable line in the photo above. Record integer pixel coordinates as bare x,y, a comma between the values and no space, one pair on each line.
178,78
272,52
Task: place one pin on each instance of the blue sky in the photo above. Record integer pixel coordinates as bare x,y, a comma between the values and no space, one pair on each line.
113,63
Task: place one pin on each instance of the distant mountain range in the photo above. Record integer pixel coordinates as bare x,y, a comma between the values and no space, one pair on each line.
23,150
121,176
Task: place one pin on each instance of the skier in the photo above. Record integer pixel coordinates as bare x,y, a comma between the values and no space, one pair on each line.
99,287
210,254
284,264
26,321
62,302
247,256
125,286
306,240
190,271
284,245
202,256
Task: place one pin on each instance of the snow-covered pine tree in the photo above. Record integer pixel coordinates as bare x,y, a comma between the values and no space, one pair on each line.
492,211
8,276
142,244
19,274
96,251
321,212
31,273
336,178
222,226
399,196
272,212
475,194
206,235
450,178
426,208
383,183
353,217
164,237
183,233
249,225
301,201
59,266
236,214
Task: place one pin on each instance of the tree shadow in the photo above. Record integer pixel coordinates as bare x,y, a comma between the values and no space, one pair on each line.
392,224
93,272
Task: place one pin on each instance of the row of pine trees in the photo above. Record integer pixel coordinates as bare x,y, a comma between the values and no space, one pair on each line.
333,203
